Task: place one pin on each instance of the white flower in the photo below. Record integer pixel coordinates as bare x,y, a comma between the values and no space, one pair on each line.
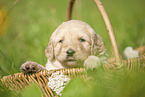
57,82
130,53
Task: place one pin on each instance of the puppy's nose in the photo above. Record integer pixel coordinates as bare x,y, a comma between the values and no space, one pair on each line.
70,51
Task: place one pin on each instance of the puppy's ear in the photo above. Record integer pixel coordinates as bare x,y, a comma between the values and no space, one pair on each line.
49,51
97,46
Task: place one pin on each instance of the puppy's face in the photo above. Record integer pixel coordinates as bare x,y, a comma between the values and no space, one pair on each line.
70,44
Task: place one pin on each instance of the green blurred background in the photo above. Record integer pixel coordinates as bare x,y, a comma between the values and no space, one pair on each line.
30,23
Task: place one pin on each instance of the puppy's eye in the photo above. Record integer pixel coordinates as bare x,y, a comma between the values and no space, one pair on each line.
81,40
60,41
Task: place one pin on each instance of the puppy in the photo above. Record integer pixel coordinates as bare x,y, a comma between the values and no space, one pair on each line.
73,44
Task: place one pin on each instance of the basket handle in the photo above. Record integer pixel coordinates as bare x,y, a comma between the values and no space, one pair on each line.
69,10
109,29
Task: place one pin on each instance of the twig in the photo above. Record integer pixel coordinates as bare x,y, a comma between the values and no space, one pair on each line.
69,10
15,2
109,29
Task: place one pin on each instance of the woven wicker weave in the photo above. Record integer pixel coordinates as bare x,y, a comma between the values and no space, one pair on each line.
19,81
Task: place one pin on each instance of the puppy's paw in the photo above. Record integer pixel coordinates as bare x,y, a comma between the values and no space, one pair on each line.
31,67
92,62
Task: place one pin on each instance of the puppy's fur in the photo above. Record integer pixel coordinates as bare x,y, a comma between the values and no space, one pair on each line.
74,44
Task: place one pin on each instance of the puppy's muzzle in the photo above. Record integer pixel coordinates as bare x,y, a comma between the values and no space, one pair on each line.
70,52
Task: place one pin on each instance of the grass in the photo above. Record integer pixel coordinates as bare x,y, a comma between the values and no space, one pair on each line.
30,24
100,83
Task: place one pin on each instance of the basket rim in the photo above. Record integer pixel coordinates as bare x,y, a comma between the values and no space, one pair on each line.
48,73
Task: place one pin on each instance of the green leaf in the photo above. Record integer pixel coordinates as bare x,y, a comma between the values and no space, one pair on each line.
76,88
32,91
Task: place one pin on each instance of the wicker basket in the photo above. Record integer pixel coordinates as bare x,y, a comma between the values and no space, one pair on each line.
18,81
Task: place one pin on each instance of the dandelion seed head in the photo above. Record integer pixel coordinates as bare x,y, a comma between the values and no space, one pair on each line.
57,82
130,53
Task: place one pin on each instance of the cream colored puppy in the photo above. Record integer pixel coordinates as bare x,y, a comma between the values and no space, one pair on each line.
73,44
